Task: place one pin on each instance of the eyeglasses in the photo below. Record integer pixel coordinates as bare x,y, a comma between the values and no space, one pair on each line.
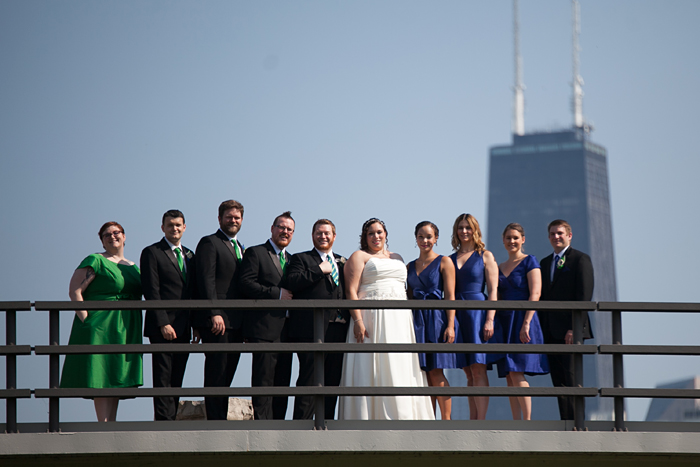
284,229
115,234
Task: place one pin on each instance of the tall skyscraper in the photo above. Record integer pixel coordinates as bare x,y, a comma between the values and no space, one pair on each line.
540,177
559,175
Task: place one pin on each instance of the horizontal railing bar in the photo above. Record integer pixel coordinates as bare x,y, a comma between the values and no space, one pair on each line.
307,347
24,305
15,349
15,393
649,306
650,349
651,393
201,305
313,391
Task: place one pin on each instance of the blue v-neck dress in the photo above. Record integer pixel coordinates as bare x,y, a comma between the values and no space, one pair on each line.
516,287
430,325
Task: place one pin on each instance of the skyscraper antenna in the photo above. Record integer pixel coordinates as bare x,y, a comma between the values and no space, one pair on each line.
577,98
518,87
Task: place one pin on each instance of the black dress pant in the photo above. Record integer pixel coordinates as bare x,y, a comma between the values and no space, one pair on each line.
561,369
271,369
304,405
219,369
333,365
168,372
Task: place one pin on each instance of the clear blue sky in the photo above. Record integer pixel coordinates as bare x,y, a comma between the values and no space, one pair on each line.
120,110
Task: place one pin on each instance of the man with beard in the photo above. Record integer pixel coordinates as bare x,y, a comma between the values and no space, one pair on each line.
317,274
262,275
219,258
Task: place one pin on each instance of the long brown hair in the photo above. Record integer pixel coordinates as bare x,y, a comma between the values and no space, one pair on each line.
476,233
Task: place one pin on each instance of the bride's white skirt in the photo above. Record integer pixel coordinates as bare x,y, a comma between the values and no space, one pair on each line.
381,369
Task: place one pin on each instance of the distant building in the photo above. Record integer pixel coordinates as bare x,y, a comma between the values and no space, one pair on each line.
676,410
545,176
559,175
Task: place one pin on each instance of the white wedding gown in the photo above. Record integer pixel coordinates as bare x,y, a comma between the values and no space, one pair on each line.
384,279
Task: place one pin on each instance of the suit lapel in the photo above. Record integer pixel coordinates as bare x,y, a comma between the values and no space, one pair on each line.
228,244
557,271
171,256
328,276
275,259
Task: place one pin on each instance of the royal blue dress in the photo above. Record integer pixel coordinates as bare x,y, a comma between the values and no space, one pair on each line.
430,325
470,285
516,287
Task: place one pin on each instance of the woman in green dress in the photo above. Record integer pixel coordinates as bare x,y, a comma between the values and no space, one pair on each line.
105,276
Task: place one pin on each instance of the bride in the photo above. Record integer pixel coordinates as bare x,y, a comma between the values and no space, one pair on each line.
374,273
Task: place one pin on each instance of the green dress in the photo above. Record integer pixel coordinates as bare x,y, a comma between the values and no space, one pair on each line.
112,282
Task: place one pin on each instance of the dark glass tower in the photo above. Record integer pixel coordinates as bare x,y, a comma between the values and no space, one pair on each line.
558,175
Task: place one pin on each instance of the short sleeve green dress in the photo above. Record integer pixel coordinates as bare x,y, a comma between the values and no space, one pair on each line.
112,282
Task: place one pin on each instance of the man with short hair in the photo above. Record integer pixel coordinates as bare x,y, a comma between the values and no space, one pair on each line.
167,273
262,274
317,274
219,258
567,275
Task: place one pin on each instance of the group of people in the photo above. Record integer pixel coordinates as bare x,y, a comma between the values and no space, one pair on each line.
222,268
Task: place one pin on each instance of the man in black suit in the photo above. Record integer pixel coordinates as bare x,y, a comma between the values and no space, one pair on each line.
567,275
262,275
220,255
167,273
317,274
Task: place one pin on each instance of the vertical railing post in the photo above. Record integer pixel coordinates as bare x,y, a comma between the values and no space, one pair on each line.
11,370
319,361
618,371
579,401
54,367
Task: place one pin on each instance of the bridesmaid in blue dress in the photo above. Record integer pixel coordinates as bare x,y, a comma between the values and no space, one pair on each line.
475,270
429,277
519,278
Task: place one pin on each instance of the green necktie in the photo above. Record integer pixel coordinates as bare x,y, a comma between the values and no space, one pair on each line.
334,270
283,262
180,262
237,249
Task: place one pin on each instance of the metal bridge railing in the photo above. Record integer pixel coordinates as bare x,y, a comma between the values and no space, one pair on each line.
10,350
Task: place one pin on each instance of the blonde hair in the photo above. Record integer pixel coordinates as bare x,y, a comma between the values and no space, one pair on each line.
476,233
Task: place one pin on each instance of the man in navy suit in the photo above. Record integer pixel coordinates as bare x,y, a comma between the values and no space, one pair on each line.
317,274
262,274
567,275
219,258
167,273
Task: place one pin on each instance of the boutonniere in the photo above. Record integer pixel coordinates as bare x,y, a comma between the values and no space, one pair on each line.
560,263
341,260
189,254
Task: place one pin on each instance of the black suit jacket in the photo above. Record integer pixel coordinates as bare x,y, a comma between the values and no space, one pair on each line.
161,279
306,281
217,279
261,278
573,282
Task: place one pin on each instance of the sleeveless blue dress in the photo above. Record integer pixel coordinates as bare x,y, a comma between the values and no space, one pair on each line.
516,287
470,285
430,325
